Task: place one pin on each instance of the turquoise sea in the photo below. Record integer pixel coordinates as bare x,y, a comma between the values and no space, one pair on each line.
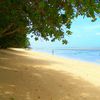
84,55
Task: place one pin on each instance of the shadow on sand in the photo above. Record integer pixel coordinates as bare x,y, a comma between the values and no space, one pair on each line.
22,80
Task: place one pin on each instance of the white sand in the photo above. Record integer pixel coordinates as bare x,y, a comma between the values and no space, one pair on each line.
26,75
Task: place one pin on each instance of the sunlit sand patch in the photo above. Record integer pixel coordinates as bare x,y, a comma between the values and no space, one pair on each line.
84,95
28,97
37,75
8,92
17,49
8,68
11,85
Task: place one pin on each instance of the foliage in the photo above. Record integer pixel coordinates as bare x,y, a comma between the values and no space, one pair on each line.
14,40
43,18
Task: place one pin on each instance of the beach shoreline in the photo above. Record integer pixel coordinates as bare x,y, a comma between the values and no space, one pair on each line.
91,56
28,74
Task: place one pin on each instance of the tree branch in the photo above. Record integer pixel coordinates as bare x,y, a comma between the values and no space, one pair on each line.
10,32
7,28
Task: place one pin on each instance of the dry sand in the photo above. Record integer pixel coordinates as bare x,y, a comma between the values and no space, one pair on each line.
26,75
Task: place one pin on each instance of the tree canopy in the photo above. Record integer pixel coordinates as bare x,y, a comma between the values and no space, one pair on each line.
43,18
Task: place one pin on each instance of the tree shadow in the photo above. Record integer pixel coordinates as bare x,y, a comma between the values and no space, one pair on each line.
24,81
44,84
20,60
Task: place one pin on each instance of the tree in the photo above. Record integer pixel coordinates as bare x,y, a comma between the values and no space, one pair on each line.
43,18
14,40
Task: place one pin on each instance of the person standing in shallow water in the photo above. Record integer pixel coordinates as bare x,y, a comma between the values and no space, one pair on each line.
52,51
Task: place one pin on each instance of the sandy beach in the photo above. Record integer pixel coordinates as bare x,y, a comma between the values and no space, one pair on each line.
27,75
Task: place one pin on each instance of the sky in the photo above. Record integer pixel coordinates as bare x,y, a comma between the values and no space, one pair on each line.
86,34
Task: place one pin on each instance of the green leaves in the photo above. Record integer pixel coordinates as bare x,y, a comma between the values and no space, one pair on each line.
45,17
64,41
36,38
41,4
69,32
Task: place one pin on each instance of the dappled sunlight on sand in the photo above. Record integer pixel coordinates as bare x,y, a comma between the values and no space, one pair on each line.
42,78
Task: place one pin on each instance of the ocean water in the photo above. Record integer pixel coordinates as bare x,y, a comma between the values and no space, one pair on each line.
84,55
